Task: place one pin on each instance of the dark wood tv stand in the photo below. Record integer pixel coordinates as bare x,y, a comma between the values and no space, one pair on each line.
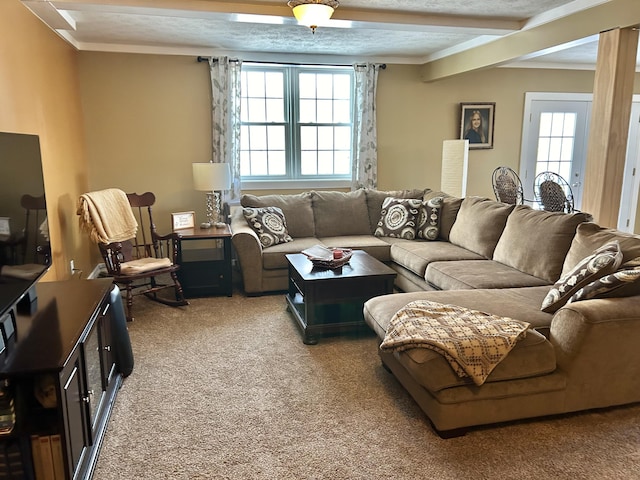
60,369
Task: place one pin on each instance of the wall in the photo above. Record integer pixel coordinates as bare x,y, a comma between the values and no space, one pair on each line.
147,119
39,91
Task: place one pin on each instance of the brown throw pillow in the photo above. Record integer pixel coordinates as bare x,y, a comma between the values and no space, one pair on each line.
269,223
429,219
623,283
603,261
399,218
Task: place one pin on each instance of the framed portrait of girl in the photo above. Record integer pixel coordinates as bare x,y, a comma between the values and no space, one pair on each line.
476,124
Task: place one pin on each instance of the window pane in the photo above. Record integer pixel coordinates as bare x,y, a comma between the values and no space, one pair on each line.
307,111
258,137
244,137
557,124
308,164
325,111
275,137
342,87
259,163
555,146
543,150
274,87
307,85
255,84
277,163
342,138
545,124
275,110
342,163
325,163
342,111
325,86
256,110
245,163
570,125
567,150
325,138
308,138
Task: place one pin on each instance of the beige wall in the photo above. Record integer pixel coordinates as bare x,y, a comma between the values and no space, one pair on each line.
147,119
39,91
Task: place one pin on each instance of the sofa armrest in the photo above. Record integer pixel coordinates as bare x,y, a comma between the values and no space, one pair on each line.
596,344
248,250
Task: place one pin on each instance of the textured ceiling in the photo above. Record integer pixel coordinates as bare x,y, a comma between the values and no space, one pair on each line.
393,31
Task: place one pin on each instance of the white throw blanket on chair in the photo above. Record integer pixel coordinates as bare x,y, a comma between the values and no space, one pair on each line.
106,216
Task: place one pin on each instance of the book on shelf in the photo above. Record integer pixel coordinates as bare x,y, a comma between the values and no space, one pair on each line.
48,463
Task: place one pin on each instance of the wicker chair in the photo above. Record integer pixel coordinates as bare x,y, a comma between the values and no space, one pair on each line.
553,193
507,186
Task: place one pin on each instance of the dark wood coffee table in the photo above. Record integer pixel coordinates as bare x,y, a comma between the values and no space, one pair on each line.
331,300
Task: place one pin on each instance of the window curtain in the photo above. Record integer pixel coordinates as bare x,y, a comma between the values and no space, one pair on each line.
225,115
365,161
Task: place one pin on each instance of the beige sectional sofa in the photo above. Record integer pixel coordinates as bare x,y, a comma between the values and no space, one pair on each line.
492,257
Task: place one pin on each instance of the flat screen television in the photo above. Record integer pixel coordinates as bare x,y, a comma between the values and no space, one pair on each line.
24,240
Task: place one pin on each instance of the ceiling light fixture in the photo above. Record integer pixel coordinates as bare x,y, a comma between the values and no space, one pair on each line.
313,12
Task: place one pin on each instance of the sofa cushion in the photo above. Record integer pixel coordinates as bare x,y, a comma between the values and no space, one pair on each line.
296,209
415,255
399,218
536,242
590,236
519,303
623,283
374,246
428,227
603,261
448,211
479,224
532,356
375,198
472,274
340,213
269,223
273,258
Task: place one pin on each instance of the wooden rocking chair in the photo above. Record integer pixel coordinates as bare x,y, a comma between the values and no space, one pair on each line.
147,264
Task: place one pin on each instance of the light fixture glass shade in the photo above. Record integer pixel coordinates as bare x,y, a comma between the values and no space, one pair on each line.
208,177
312,14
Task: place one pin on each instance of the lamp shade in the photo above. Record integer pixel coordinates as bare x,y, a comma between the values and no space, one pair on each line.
455,161
209,177
312,14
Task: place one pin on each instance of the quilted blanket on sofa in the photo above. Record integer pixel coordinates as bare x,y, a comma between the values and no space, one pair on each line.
473,342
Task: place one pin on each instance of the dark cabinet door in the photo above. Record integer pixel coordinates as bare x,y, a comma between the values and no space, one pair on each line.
74,410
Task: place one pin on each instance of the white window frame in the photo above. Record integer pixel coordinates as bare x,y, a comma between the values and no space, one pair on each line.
291,72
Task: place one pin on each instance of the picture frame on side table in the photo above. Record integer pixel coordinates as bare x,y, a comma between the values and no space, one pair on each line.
182,220
476,124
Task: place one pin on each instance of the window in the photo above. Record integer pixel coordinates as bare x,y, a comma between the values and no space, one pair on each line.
297,122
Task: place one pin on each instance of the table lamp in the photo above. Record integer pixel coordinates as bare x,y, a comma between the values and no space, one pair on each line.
212,178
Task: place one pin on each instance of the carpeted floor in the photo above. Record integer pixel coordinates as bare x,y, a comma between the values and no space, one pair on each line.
225,389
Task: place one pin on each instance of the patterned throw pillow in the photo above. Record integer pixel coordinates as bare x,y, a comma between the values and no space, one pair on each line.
399,218
603,261
269,223
623,283
429,219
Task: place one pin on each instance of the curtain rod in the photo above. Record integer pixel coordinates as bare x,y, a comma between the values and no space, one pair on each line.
383,66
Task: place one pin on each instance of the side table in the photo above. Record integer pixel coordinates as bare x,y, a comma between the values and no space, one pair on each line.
205,267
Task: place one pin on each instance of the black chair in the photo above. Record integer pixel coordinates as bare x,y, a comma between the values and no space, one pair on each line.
553,193
507,186
147,264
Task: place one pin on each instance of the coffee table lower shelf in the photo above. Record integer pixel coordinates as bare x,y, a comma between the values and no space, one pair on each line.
325,318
